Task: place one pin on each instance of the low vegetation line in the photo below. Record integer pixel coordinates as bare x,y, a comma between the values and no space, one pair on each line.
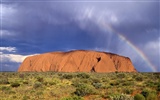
79,86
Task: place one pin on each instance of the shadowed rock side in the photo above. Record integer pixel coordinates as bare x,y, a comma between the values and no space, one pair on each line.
77,61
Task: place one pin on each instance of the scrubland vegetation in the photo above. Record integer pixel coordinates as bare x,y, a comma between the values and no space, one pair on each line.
79,86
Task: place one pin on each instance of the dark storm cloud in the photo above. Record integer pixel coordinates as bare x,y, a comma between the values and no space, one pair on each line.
37,27
140,22
50,25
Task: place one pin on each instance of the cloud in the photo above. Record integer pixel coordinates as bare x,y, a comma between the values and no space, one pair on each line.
5,33
14,57
8,49
8,56
153,46
8,59
11,62
6,11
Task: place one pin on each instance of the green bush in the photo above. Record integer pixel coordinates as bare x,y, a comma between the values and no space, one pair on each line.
37,85
127,83
140,79
5,88
105,79
120,97
87,81
128,91
39,93
97,85
145,93
21,76
121,75
72,86
60,74
96,80
15,84
4,80
158,87
151,96
14,97
40,79
83,75
139,97
67,76
73,98
11,92
115,83
26,97
83,90
25,82
51,83
151,84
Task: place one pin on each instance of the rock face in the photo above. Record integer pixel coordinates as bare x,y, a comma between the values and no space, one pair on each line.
77,61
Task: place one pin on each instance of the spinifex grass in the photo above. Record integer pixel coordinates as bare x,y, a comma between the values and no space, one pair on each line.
79,86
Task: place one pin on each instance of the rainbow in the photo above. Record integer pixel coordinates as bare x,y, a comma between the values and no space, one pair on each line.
107,27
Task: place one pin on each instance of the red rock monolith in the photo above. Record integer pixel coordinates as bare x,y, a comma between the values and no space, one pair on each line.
77,61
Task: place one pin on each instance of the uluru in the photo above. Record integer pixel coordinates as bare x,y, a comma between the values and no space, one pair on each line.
77,61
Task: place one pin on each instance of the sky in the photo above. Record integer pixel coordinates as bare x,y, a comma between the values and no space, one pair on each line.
129,28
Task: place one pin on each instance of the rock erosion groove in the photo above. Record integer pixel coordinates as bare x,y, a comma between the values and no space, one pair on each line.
77,61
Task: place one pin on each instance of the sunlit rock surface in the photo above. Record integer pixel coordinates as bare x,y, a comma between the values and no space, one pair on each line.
77,61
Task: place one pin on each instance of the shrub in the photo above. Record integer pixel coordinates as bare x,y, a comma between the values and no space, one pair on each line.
105,79
145,93
158,87
66,82
115,83
76,82
151,96
120,97
55,81
139,79
15,84
5,88
21,76
150,84
87,81
96,80
51,83
139,97
97,85
14,96
39,93
128,91
83,89
127,83
11,92
26,97
73,98
37,85
40,79
121,75
67,76
83,75
60,74
25,82
4,80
